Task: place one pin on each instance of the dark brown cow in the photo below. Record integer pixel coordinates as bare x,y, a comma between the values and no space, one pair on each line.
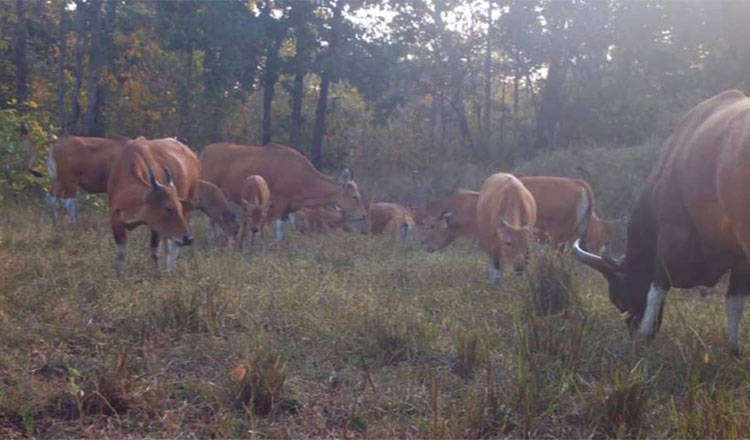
256,206
390,219
213,203
691,223
292,179
506,214
153,183
80,162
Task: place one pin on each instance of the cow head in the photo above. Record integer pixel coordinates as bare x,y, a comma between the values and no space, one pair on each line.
606,237
350,200
164,212
255,215
514,243
440,231
620,291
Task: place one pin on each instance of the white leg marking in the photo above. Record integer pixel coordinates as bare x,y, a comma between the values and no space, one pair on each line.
173,251
495,274
654,303
70,206
735,305
122,253
293,220
52,205
280,224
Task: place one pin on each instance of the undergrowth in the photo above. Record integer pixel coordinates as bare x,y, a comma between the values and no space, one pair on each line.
339,336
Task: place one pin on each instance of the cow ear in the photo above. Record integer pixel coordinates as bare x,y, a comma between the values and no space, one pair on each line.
187,205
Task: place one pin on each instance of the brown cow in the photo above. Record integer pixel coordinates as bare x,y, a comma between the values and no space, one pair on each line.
213,203
156,183
319,219
561,214
256,204
444,220
80,162
506,214
691,223
390,219
292,179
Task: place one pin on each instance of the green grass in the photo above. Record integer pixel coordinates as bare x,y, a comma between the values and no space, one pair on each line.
338,335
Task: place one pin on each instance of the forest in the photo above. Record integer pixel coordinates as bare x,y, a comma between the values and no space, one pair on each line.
392,83
339,334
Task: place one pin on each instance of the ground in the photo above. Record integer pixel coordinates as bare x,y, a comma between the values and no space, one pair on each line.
337,336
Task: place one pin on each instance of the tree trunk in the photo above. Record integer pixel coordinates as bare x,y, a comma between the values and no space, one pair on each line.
186,96
80,45
98,51
320,114
551,99
300,11
22,90
61,86
487,126
270,77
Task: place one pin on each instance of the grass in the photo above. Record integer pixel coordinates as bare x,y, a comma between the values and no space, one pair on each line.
338,335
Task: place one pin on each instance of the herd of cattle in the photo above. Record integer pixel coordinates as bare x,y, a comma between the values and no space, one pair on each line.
690,225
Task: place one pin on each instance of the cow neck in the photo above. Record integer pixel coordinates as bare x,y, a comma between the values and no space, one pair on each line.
640,257
320,191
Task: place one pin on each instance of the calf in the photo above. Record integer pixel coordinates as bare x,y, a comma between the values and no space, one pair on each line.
153,183
506,213
320,219
256,205
213,203
390,219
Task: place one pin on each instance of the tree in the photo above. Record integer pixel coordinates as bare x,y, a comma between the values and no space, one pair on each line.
301,17
328,72
275,32
22,92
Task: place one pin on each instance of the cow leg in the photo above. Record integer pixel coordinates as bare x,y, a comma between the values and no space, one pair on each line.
70,206
173,251
652,315
292,221
739,287
52,206
280,226
495,271
121,243
155,248
243,235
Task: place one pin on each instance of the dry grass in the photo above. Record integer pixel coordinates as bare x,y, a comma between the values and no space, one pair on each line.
337,335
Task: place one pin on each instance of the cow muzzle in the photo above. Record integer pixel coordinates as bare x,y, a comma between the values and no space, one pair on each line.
254,230
187,240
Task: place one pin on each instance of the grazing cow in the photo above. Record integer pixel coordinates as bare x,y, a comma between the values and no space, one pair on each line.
213,203
256,205
80,162
691,223
320,219
506,214
153,183
390,219
292,179
562,214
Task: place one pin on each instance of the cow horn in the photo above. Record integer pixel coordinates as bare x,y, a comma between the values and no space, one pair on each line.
347,175
592,260
152,177
170,181
504,224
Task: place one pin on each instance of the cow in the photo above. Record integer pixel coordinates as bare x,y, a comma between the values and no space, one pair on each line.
213,203
505,218
256,205
153,183
320,219
80,162
562,215
292,179
691,223
390,219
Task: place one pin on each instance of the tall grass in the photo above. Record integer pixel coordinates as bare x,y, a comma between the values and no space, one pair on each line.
338,335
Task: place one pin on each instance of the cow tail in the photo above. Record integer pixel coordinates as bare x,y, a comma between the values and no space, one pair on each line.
51,165
584,211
